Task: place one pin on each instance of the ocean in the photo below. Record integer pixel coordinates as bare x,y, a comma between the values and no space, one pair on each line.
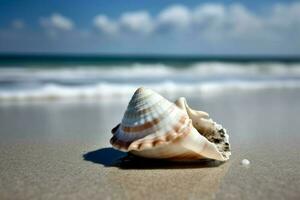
57,77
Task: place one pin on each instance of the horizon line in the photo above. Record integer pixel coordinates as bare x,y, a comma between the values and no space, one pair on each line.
144,55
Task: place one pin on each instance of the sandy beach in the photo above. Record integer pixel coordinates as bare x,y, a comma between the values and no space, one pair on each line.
61,150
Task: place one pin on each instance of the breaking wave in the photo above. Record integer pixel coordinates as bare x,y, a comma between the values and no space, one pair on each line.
105,82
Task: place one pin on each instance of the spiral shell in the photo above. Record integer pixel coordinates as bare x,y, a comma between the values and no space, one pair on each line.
154,127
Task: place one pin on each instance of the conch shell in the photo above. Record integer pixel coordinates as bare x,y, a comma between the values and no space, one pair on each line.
154,127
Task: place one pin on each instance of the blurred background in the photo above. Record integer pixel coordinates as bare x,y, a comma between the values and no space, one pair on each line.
61,49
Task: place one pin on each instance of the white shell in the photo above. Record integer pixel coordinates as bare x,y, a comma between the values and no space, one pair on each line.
245,162
154,127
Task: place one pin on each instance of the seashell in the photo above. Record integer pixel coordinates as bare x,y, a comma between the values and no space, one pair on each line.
154,127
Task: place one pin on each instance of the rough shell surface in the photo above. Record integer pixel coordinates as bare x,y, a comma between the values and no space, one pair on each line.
154,127
205,126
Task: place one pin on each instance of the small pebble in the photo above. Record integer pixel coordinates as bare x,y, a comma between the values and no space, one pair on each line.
245,162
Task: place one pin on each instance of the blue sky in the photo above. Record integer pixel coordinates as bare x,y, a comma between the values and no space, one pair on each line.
227,27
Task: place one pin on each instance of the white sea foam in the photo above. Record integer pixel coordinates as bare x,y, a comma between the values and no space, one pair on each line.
85,82
107,91
155,70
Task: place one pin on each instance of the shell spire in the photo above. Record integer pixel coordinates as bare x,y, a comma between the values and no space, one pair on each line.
147,123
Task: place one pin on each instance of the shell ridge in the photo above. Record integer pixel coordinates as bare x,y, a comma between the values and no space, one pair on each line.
142,127
145,117
131,135
160,140
139,144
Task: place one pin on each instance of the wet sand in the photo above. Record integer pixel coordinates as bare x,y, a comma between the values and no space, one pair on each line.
60,150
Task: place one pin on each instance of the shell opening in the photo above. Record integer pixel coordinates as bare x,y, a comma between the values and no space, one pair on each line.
205,126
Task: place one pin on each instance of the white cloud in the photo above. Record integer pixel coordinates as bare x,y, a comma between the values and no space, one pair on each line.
58,22
216,21
139,21
17,24
209,21
209,18
105,25
209,12
177,16
242,20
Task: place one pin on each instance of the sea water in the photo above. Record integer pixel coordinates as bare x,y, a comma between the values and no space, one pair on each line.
27,78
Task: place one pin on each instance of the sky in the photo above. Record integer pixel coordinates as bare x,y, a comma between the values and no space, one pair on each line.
222,27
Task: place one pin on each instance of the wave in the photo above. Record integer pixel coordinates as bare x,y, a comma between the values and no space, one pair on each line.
108,91
155,70
85,82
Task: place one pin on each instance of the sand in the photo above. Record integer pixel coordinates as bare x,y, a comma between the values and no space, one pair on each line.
60,150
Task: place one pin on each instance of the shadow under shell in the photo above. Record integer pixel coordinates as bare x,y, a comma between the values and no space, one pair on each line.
110,157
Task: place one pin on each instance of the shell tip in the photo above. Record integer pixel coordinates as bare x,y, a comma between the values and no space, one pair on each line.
140,90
